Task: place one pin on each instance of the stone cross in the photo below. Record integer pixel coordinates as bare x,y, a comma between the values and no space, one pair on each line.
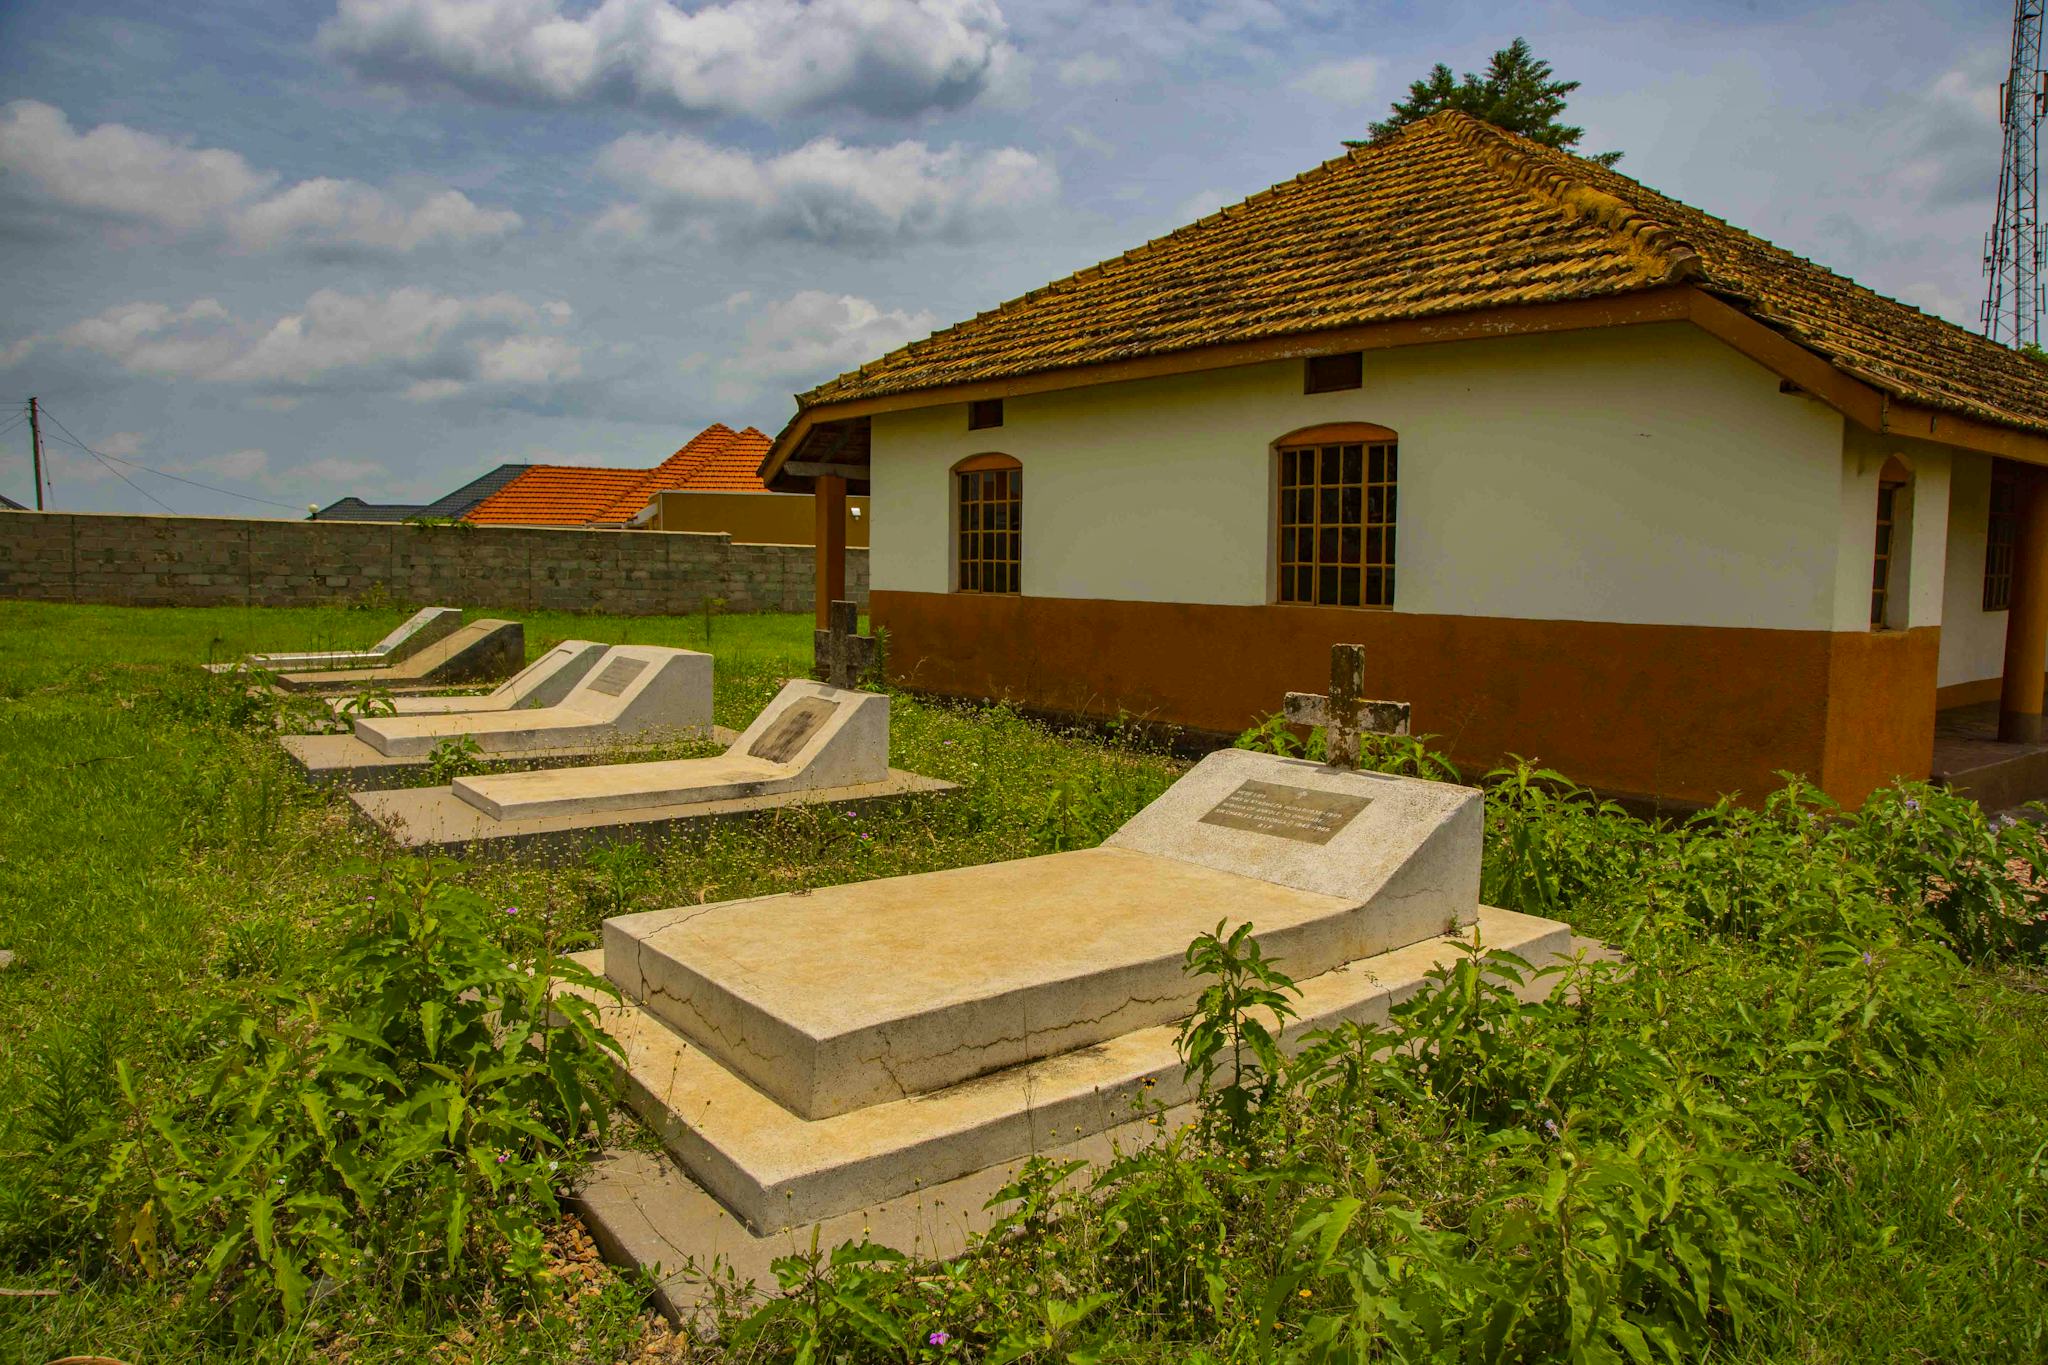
1343,714
842,657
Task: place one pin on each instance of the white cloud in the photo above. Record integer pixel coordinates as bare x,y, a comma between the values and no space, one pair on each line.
755,57
809,337
424,344
1347,82
527,360
124,173
348,212
1089,69
824,191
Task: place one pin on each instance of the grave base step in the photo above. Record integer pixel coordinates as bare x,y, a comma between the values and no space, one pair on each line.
774,1169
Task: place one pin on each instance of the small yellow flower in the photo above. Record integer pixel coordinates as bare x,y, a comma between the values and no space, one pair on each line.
1304,1293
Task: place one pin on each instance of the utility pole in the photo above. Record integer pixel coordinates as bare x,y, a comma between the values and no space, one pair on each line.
2012,249
35,440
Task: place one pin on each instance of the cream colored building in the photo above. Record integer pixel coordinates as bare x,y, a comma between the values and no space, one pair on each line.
1595,478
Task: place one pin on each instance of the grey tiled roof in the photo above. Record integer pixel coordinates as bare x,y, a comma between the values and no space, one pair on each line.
449,506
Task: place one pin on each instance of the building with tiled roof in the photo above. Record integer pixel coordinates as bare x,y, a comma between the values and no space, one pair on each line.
716,458
1595,477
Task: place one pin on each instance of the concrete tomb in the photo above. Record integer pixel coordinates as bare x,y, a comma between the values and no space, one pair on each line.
813,742
631,696
634,690
421,629
482,651
805,1055
543,682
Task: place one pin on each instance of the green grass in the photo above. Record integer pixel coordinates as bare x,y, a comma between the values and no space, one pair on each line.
154,860
56,636
156,857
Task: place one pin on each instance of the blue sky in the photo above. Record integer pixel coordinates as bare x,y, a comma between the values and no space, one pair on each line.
379,246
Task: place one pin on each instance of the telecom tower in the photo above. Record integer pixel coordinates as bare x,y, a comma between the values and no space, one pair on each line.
2012,250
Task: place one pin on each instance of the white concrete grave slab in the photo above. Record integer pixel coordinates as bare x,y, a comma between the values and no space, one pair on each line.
632,692
543,682
419,630
812,743
807,1054
482,651
811,735
1330,865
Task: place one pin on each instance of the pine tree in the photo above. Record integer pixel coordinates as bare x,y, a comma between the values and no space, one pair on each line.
1516,93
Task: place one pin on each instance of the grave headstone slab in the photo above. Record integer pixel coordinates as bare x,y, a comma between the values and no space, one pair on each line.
636,690
785,738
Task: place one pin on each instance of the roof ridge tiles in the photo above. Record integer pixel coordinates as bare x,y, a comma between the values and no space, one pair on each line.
1647,236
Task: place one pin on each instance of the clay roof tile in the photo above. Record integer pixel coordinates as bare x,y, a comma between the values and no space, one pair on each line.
1448,215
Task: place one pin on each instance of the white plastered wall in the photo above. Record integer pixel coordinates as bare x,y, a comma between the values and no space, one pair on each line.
1972,639
1636,474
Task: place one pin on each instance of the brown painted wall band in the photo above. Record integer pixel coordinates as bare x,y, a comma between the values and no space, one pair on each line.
1684,713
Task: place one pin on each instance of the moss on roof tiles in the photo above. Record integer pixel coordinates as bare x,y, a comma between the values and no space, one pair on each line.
1447,216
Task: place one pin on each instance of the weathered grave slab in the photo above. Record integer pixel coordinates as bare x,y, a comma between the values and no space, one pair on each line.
812,744
482,651
805,1055
810,736
643,1210
421,629
346,762
543,682
1331,866
429,819
633,691
775,1169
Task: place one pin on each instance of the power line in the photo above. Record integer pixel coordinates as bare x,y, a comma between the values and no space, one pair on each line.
124,478
174,478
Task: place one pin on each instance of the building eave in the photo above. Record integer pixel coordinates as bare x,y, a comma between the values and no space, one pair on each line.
1859,401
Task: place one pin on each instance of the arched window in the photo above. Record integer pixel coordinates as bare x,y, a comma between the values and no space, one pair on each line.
1335,515
988,524
1888,567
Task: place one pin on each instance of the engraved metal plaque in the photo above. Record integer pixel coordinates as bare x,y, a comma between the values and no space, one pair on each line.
617,676
783,740
1309,817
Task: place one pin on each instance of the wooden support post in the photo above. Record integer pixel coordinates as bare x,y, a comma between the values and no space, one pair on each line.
2026,619
828,501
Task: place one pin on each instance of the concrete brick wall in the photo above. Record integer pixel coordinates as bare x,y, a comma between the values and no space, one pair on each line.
218,561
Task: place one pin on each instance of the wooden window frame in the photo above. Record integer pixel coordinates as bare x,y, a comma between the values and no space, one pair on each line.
1333,373
984,414
1368,555
2001,538
972,568
1896,476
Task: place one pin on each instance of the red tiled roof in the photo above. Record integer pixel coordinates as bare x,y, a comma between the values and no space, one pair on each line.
577,495
555,495
733,468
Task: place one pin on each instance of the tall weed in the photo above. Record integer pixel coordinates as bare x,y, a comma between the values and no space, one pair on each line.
393,1121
